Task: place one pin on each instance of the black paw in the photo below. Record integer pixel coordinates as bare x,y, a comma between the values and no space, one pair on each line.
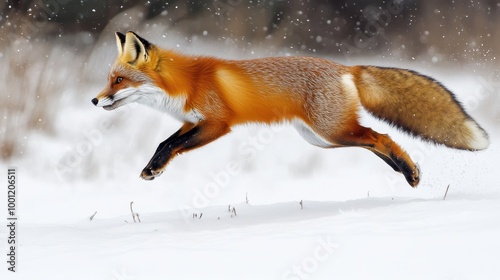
149,174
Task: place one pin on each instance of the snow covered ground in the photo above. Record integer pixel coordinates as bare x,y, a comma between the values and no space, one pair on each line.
360,220
370,238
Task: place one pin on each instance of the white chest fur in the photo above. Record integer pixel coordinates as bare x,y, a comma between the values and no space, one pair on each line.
157,98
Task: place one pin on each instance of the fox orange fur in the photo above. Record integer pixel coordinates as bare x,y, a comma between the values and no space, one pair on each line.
319,97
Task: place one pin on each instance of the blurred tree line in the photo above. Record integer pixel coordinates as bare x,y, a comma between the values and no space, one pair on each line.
449,29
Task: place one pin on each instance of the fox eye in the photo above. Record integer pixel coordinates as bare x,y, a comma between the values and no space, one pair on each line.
118,80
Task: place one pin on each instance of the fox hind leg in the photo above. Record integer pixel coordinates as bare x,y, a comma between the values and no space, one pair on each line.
384,147
387,160
356,135
352,134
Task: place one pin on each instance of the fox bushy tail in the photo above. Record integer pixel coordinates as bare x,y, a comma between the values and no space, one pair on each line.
418,105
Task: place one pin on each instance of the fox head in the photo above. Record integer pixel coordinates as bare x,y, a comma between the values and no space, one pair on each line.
128,80
144,73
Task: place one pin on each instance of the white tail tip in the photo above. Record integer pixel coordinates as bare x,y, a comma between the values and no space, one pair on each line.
479,140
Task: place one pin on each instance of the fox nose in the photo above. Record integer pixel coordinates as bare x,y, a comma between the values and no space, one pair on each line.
95,101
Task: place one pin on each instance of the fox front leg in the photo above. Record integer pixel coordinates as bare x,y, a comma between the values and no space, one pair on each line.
182,141
185,127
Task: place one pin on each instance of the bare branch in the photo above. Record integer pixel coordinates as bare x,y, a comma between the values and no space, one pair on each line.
132,211
92,217
444,198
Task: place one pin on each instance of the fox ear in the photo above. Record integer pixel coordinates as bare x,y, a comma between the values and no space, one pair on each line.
120,42
135,48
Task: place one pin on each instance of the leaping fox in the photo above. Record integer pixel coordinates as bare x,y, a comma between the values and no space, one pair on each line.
319,97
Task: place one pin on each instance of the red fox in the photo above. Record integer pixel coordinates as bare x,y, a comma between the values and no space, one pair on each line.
320,98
